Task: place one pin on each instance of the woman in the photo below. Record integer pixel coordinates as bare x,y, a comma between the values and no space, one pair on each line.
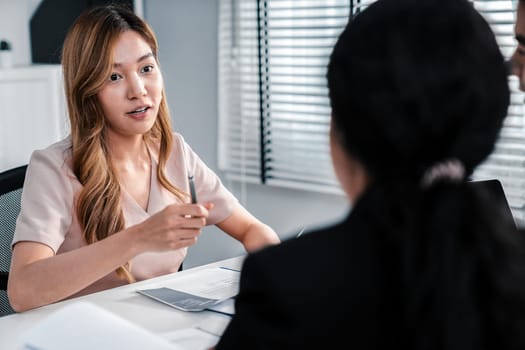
109,204
418,91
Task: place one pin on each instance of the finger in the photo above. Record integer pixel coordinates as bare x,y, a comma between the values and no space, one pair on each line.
192,210
188,234
190,240
183,242
193,222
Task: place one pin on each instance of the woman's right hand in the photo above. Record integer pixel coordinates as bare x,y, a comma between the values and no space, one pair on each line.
176,226
36,264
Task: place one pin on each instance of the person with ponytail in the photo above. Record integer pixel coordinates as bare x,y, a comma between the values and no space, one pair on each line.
110,204
418,92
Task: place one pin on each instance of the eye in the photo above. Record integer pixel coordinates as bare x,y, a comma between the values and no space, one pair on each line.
147,69
115,77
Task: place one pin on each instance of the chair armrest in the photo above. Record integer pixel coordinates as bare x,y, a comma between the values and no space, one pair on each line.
3,280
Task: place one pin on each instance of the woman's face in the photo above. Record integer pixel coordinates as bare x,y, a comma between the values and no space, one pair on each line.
131,96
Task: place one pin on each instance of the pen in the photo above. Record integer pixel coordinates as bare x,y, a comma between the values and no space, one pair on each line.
192,189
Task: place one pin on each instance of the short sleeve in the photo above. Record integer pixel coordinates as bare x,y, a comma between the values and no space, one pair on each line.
47,199
208,186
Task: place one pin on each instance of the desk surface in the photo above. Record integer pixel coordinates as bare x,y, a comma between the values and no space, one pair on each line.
125,302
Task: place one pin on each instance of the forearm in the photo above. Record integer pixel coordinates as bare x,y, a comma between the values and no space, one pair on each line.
248,230
48,280
39,277
259,235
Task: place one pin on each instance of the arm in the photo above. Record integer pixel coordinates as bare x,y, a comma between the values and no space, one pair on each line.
39,277
248,230
228,215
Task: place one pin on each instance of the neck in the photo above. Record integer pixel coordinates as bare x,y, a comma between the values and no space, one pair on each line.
128,150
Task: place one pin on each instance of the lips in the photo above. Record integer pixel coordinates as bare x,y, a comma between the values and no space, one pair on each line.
139,110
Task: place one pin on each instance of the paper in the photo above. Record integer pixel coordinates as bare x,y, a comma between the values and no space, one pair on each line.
201,290
214,323
226,307
192,338
179,300
85,326
203,336
213,283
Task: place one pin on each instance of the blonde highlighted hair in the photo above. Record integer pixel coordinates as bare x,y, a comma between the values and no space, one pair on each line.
87,61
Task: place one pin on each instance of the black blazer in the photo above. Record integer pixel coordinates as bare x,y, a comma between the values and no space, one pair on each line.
327,289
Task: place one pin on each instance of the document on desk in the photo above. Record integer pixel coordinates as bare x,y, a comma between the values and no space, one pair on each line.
200,290
85,326
202,336
192,338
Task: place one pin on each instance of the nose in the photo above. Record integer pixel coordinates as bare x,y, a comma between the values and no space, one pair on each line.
136,87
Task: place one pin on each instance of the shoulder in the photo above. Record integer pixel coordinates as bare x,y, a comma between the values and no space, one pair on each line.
177,147
55,157
59,149
304,253
345,246
177,142
177,138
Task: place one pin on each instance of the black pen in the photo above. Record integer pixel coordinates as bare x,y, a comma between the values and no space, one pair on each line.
192,189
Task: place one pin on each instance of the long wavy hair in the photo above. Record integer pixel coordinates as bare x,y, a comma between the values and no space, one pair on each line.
87,60
413,83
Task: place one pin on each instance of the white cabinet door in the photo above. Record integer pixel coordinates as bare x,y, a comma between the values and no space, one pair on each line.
32,112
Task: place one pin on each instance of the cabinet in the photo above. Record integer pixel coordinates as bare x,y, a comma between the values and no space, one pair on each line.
32,112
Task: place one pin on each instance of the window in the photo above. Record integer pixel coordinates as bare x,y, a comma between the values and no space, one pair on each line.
273,104
507,162
273,100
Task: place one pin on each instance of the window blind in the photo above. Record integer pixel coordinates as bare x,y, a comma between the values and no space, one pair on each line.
507,162
239,151
273,101
273,104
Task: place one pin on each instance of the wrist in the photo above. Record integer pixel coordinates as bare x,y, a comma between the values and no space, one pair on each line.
131,240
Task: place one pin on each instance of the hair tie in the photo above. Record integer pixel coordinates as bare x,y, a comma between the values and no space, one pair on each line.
451,170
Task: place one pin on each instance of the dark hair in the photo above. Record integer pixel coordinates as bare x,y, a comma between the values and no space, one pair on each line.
413,83
416,82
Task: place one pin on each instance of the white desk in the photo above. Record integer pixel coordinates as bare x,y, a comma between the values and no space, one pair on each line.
125,302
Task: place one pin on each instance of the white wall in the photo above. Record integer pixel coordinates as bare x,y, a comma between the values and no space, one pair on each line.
14,27
187,34
15,16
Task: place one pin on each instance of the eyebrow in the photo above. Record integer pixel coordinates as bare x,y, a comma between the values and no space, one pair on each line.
520,39
150,54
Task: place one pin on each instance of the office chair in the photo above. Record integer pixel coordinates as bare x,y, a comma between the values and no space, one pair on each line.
11,182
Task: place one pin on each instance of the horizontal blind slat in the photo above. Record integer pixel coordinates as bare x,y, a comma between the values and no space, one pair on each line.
507,162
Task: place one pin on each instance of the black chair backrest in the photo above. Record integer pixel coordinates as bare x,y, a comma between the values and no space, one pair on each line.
11,183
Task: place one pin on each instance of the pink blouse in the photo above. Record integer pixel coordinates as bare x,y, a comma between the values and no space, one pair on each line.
50,189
